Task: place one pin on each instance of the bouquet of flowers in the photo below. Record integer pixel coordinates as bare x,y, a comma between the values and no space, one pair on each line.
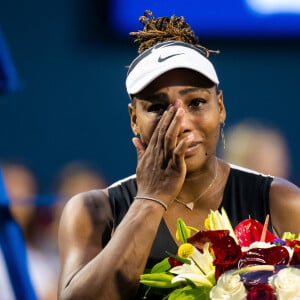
247,262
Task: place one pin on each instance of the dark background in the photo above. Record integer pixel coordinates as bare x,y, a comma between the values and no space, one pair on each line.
72,103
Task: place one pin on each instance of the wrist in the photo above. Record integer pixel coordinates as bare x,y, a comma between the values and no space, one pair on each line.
153,199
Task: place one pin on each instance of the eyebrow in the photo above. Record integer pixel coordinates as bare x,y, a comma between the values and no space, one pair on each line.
192,89
164,97
156,97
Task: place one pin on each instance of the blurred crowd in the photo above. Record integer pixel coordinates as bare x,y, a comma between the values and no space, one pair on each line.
258,146
38,216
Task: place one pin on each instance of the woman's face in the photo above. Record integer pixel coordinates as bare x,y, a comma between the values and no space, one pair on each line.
203,106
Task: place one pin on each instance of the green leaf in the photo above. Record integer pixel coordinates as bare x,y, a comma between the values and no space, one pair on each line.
288,236
190,283
183,260
158,280
183,233
162,266
188,293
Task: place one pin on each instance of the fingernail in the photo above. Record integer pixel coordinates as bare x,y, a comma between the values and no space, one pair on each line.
180,111
178,103
170,106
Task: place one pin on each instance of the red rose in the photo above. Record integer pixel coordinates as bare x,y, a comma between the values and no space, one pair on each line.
261,291
224,247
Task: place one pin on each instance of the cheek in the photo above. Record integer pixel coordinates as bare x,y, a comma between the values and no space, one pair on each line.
213,137
211,127
147,127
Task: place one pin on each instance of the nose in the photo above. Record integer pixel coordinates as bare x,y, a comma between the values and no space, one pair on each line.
186,124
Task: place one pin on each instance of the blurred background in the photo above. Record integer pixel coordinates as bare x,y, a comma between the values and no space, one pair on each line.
71,58
64,127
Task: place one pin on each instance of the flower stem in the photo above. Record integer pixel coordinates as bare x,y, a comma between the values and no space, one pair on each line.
254,269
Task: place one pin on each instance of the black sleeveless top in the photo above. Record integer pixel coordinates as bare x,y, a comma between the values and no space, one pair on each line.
246,195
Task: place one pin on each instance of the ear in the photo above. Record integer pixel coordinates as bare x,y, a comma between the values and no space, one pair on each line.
221,105
132,114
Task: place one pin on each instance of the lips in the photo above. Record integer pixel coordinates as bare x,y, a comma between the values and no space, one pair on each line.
193,144
192,148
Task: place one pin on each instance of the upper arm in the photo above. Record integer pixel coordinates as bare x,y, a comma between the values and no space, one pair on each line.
84,229
285,206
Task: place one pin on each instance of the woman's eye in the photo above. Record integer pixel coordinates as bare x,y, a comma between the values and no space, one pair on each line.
157,108
197,102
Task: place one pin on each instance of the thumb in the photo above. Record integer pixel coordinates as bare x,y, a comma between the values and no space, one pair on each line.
139,146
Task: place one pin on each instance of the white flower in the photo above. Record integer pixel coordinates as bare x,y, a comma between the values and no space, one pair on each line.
203,260
286,284
228,287
201,270
193,273
258,245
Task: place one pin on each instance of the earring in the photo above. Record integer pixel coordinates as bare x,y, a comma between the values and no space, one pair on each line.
222,125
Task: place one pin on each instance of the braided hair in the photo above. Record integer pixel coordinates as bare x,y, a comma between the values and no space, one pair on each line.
163,29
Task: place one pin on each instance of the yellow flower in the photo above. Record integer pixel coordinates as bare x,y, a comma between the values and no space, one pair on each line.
219,221
185,250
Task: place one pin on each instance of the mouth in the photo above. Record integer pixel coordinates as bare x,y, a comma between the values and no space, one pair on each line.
192,148
194,144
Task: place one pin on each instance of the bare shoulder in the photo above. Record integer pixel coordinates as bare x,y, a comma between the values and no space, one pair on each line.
92,204
283,190
85,224
285,205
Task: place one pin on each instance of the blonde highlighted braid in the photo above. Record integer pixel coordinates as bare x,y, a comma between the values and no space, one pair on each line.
164,29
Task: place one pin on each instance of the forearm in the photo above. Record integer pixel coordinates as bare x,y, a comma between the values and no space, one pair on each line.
116,269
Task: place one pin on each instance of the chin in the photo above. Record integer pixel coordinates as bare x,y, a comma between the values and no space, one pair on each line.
193,165
196,162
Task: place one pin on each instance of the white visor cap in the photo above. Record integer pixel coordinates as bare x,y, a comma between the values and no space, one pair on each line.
164,57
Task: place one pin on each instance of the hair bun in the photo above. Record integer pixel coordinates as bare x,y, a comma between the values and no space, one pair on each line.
162,29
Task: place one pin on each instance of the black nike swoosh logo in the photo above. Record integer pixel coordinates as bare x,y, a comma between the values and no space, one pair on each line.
161,59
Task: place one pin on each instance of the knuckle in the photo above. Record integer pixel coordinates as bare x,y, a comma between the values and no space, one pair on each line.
168,137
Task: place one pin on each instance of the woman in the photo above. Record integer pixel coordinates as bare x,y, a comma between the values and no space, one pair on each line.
107,237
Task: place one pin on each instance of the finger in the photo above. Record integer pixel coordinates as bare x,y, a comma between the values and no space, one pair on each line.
139,146
161,128
179,151
173,131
